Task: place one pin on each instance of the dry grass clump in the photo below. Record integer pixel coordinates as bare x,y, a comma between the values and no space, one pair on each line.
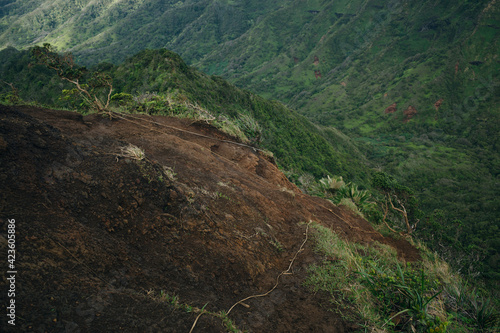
133,152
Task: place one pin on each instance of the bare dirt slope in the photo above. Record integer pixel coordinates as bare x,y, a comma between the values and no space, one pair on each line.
99,235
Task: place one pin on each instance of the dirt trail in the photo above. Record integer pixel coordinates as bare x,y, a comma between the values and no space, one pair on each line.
99,235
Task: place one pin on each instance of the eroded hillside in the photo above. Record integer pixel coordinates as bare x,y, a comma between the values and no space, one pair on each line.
102,230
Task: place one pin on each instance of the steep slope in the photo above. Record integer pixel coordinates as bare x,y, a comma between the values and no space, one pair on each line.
100,232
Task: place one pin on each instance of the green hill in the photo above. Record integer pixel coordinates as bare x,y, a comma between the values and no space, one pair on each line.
112,30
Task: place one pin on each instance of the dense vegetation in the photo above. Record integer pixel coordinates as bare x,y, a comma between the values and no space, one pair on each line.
112,30
384,295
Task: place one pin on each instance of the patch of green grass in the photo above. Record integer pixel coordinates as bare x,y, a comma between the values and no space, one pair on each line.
381,293
175,302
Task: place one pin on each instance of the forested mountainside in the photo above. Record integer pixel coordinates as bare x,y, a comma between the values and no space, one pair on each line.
111,30
414,84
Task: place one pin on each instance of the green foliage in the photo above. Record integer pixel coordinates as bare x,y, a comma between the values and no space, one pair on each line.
122,99
398,203
331,185
88,85
348,194
379,288
12,96
388,184
471,309
385,294
404,293
250,127
351,191
114,30
35,83
485,317
417,302
152,103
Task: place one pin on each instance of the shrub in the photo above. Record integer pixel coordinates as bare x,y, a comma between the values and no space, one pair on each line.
250,127
332,185
122,99
133,152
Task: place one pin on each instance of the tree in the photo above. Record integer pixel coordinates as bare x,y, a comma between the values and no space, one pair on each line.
400,198
93,87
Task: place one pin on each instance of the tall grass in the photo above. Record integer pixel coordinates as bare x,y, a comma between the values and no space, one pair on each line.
373,288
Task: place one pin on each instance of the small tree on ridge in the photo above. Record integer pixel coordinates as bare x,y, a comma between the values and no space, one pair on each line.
399,201
94,88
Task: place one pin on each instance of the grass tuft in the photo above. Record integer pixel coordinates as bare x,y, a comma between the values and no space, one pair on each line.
133,152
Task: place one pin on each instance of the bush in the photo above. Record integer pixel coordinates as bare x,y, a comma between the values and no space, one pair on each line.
122,99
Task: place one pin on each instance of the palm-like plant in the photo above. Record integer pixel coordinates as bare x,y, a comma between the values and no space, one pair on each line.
485,317
351,191
417,301
332,184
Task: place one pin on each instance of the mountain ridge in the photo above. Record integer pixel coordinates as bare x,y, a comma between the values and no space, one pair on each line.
195,216
162,72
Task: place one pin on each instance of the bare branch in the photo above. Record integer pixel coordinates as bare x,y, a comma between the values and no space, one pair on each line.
403,212
386,211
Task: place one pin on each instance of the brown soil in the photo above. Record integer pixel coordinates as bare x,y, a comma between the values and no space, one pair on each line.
391,108
438,103
409,113
100,235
